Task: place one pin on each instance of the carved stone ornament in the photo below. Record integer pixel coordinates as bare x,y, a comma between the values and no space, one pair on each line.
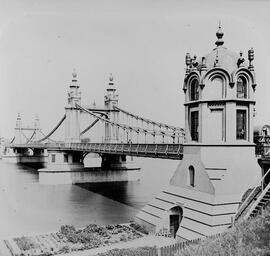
231,84
254,86
202,86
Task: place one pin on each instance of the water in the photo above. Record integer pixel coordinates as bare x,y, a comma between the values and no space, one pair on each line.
27,207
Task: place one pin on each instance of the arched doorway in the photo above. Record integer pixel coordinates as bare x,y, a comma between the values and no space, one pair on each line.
175,217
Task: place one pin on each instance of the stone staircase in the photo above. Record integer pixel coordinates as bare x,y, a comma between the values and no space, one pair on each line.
257,199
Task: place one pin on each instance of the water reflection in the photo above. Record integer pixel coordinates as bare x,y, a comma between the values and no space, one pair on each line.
123,192
29,207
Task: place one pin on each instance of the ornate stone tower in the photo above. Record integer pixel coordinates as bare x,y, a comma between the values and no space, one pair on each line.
219,163
37,129
72,122
18,131
111,100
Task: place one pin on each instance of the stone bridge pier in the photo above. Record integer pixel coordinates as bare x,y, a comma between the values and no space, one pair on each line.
110,161
67,167
31,157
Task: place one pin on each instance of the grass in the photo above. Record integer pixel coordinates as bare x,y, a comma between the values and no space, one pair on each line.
246,238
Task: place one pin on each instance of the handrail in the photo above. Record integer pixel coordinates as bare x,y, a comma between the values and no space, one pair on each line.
258,200
240,210
243,205
264,177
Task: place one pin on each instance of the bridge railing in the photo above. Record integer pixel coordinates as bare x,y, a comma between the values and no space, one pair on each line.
173,151
170,151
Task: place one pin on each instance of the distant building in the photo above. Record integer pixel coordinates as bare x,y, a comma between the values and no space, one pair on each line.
2,146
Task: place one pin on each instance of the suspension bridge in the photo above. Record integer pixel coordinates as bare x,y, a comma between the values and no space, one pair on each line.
124,134
219,172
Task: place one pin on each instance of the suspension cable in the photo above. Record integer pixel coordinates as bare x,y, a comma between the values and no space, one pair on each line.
126,127
54,129
31,137
149,121
49,139
12,140
24,136
89,127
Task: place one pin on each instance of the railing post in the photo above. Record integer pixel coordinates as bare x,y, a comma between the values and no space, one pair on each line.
159,251
137,149
156,149
166,150
145,150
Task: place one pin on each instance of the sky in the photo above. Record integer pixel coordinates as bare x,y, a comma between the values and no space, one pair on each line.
142,43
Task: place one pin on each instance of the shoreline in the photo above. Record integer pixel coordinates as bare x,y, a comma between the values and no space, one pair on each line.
122,236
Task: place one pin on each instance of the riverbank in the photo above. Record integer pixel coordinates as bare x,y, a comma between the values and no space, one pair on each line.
88,241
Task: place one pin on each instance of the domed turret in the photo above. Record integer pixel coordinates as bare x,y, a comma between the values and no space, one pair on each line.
220,57
214,85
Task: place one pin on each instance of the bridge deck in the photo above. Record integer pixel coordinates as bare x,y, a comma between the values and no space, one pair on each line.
165,151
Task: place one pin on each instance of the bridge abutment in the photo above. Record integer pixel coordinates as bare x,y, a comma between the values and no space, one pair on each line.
30,157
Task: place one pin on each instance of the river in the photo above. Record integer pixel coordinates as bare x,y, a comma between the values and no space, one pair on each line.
27,207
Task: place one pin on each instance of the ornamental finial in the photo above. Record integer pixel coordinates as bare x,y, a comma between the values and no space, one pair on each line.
219,35
74,74
111,79
188,63
251,58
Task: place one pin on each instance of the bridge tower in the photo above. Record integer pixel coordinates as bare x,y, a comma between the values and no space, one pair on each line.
219,163
110,161
18,131
111,100
72,122
37,129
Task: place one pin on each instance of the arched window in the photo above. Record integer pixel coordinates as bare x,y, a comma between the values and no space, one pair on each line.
194,90
191,171
241,87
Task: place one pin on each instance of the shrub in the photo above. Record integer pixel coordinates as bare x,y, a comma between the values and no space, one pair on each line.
67,229
139,228
25,243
